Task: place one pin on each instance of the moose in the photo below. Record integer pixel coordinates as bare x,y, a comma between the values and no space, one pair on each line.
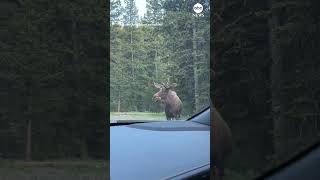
170,99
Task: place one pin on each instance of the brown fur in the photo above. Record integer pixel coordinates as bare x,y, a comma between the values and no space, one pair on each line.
171,101
173,105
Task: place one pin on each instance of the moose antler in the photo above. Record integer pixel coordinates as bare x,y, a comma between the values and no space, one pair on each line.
174,85
168,85
157,85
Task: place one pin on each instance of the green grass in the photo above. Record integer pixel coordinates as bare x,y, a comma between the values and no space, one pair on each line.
138,116
54,170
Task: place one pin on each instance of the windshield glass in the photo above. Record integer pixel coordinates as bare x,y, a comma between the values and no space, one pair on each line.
159,59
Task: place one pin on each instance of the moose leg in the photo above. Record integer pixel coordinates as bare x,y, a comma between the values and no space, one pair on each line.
170,116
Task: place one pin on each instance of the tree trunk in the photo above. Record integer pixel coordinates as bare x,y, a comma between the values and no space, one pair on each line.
28,144
29,98
132,64
156,64
131,44
119,102
84,149
280,144
136,108
78,113
195,68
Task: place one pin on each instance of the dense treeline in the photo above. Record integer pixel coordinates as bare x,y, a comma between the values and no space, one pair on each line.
53,88
167,44
266,84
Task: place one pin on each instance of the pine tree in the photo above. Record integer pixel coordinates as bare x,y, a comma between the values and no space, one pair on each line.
116,12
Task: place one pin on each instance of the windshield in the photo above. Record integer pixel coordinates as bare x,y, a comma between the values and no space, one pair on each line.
159,60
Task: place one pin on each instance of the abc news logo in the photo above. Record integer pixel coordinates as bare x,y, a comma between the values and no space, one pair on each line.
198,8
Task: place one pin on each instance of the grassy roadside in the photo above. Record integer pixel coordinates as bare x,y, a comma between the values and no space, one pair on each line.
138,116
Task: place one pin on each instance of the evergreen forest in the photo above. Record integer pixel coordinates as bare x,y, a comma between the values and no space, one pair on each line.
167,44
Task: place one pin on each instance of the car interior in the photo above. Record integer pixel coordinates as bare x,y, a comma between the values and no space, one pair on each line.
180,165
303,166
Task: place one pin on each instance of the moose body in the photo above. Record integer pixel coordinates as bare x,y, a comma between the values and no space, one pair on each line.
170,99
221,142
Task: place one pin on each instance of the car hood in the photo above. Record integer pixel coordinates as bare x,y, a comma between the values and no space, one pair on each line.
158,150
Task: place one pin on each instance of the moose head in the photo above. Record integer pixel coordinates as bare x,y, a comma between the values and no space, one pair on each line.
164,89
169,98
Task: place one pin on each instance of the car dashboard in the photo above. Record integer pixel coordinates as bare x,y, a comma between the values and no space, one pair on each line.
161,150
